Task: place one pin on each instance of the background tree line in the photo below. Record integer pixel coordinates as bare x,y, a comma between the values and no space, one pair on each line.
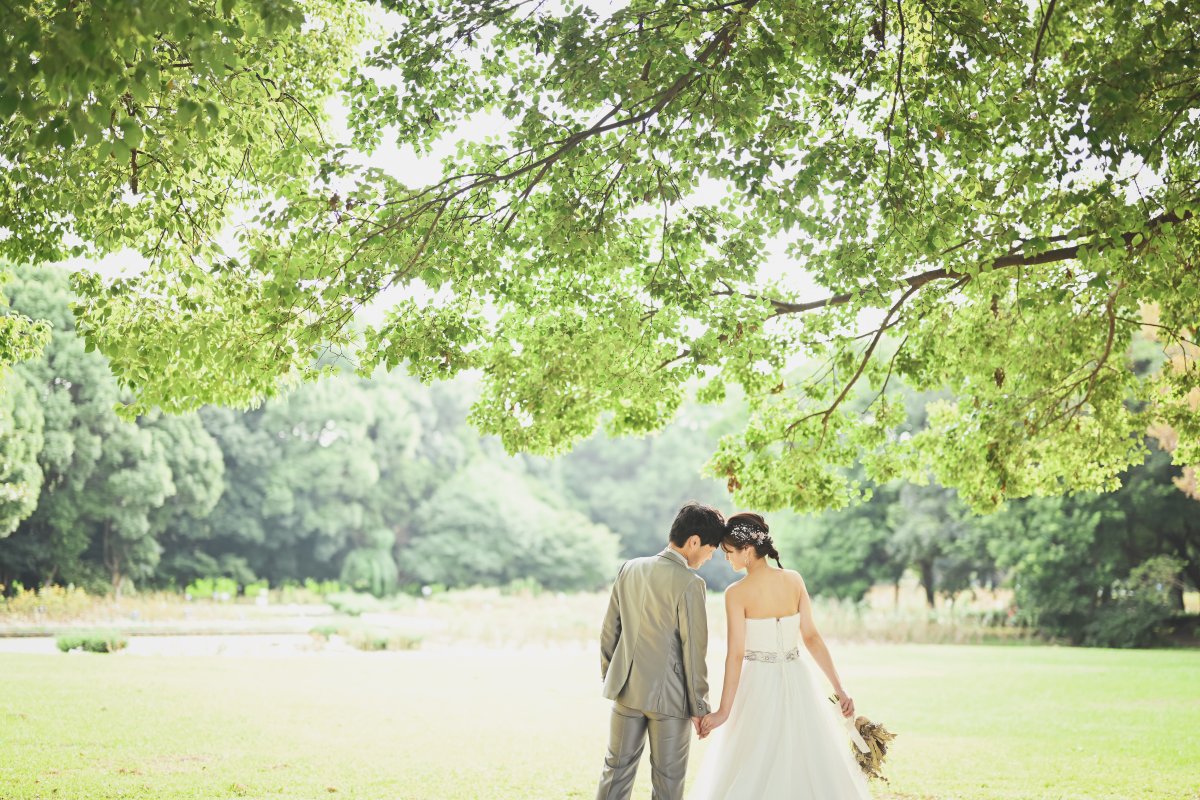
380,483
370,481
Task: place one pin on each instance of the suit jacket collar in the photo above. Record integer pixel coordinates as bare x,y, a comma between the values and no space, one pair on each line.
674,556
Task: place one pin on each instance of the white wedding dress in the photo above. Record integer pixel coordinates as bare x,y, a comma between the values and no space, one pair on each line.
784,739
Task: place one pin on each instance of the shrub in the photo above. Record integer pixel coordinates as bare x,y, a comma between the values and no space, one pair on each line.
523,587
1141,616
371,639
310,591
353,603
324,631
201,587
322,588
1128,622
377,640
252,589
92,641
212,588
371,569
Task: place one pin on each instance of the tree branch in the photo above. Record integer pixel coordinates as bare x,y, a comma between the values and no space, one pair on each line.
721,41
1037,47
1010,260
862,365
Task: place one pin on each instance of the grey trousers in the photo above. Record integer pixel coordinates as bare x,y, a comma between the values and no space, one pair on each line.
670,738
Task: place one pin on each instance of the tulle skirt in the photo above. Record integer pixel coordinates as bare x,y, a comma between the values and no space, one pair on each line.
783,740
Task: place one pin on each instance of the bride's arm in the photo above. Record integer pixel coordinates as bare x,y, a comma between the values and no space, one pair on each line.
735,641
820,653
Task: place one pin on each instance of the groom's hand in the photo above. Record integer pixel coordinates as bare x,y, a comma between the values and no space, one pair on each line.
696,724
711,722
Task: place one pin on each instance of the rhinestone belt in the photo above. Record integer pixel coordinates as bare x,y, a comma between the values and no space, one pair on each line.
773,657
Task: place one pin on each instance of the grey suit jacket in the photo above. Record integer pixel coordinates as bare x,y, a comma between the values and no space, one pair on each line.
655,637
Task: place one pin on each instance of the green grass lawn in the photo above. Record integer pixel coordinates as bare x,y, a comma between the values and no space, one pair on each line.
974,722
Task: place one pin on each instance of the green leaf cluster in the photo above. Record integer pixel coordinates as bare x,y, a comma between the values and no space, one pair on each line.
991,198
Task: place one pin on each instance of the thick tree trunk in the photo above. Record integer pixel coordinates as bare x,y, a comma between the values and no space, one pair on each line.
926,568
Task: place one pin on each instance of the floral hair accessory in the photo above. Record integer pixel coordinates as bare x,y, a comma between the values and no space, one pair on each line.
748,534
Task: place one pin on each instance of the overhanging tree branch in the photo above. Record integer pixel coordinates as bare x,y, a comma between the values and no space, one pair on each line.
1003,262
865,359
721,43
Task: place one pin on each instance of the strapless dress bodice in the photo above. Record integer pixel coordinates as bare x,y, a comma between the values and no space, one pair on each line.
773,639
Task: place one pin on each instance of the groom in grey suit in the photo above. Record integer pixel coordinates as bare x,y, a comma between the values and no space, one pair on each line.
652,650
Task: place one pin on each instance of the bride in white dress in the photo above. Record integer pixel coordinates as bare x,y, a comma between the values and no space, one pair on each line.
775,734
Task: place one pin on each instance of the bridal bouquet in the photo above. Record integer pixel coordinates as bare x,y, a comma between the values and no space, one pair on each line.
870,746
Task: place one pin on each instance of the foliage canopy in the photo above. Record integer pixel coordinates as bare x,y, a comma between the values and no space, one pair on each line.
1006,193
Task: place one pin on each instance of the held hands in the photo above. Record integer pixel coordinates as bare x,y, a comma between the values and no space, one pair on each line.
712,721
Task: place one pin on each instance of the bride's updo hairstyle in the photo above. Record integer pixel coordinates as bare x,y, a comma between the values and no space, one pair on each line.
751,530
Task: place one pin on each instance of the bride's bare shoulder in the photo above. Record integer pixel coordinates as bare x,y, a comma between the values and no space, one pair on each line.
794,577
736,588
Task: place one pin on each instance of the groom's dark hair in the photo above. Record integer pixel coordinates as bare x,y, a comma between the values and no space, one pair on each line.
697,519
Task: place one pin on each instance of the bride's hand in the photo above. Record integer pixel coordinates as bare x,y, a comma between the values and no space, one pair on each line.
846,703
712,721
